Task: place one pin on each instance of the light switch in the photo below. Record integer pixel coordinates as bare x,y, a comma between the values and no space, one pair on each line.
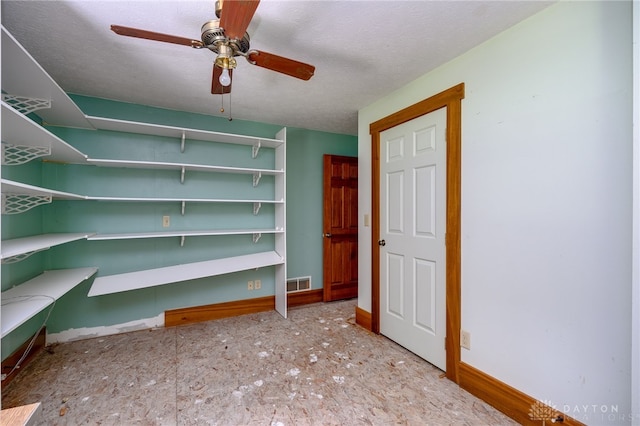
366,220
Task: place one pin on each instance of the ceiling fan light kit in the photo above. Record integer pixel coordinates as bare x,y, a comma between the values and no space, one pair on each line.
227,38
225,61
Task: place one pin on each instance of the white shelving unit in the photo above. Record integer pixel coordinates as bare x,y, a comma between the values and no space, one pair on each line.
281,221
161,276
20,248
19,188
130,236
190,271
156,165
256,233
182,134
24,140
28,88
26,300
20,197
184,167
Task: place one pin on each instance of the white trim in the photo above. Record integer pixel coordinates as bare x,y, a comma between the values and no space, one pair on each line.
92,332
635,261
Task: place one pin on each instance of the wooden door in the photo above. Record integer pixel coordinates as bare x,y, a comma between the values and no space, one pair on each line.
340,227
412,231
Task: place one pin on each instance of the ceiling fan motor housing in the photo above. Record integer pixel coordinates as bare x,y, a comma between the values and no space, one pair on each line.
213,37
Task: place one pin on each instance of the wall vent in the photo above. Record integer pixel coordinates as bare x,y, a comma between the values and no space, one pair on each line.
298,284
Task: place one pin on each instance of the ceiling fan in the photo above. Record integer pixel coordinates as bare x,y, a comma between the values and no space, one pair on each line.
227,37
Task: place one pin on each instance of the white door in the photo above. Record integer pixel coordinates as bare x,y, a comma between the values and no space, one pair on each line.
412,235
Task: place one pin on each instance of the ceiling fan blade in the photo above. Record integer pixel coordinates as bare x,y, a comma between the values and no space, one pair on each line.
216,87
236,16
280,64
150,35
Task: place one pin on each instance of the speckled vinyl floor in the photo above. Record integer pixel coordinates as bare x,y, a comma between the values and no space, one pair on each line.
315,368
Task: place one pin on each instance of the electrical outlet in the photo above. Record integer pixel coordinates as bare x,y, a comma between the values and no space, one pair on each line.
166,221
250,285
465,339
258,285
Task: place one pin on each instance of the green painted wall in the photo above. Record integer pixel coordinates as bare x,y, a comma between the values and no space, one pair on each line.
305,149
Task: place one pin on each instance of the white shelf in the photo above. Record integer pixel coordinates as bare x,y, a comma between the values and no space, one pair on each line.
10,187
179,166
23,76
21,246
189,271
17,188
177,132
181,200
19,197
165,234
20,131
24,301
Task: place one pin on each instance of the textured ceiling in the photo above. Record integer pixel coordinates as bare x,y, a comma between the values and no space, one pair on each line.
362,51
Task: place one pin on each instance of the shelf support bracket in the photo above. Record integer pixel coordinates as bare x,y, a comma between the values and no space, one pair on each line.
255,149
26,105
14,155
256,208
182,142
182,174
182,208
20,203
182,238
256,236
19,257
256,178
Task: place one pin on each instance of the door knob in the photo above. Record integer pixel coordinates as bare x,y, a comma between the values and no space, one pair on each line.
327,235
382,243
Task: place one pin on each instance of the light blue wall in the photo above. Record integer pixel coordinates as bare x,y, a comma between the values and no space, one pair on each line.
304,198
75,310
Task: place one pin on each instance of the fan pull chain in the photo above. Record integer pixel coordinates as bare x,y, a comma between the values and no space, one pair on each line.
222,105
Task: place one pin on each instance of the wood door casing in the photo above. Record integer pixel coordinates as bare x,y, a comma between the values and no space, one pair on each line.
452,100
340,227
